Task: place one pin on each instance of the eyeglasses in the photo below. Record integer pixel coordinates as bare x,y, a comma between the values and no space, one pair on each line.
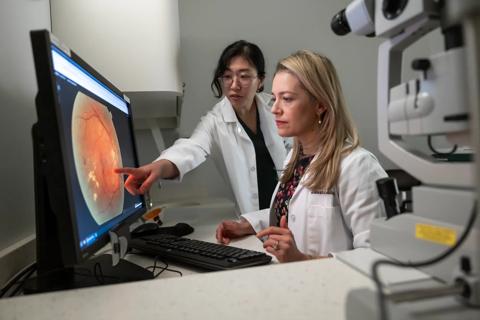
244,79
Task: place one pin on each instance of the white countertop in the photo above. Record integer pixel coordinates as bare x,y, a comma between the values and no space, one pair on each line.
303,290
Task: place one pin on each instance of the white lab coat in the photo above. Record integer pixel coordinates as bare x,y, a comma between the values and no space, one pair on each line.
221,136
323,224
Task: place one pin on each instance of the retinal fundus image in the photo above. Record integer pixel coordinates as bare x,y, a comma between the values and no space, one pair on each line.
97,153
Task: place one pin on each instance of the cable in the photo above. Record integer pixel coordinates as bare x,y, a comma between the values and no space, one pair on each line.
437,153
22,282
418,264
154,267
97,271
176,271
28,270
165,268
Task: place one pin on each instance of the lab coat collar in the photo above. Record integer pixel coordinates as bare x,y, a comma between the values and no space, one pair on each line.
227,111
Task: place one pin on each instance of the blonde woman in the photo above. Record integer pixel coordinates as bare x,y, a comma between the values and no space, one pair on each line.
326,197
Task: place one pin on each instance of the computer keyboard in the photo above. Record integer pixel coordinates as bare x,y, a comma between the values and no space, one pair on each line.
196,253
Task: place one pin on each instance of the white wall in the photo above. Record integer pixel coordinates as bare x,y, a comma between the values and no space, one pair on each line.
17,92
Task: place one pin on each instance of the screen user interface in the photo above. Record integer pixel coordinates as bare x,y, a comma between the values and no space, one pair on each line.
97,138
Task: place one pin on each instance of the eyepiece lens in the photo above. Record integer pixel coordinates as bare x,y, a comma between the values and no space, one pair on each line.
339,24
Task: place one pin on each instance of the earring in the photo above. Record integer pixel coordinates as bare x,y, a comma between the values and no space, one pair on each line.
319,121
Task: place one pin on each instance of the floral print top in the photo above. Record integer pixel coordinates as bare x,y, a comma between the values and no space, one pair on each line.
287,189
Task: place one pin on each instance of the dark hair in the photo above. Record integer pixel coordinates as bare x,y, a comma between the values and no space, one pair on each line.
251,52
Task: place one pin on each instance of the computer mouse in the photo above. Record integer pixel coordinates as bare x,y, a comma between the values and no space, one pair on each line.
179,230
182,229
150,228
145,229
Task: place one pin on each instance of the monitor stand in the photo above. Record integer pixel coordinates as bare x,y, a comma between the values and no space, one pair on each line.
52,271
94,272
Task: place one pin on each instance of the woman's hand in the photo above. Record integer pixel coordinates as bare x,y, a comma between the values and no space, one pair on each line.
230,229
281,243
141,179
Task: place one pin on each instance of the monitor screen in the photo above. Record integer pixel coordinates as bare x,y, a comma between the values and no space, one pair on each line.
97,138
84,132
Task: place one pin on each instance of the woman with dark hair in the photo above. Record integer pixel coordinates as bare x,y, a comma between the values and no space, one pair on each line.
238,133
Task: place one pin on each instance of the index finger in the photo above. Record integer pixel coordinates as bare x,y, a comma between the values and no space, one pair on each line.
218,232
126,170
272,230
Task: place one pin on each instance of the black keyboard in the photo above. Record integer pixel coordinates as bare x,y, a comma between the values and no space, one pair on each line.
196,253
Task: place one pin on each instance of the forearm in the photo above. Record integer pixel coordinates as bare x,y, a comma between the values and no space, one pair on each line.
245,227
185,155
168,169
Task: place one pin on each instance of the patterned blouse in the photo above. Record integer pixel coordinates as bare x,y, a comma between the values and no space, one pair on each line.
287,189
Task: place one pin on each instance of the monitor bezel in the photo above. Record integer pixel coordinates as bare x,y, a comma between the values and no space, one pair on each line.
57,179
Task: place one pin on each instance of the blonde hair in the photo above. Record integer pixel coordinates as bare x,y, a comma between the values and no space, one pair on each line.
338,136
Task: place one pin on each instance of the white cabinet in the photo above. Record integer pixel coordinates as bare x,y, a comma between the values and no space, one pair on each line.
135,45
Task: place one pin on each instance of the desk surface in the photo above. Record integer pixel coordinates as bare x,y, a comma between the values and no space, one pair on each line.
303,290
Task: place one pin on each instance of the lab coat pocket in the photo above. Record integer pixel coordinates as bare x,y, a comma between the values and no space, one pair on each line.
321,225
324,200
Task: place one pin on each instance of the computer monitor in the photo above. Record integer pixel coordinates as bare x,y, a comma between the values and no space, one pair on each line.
84,131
